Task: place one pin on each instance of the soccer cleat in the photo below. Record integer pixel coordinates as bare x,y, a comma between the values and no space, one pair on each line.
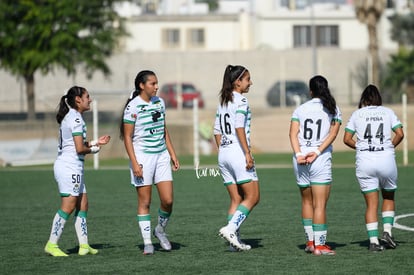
373,247
231,237
388,240
323,250
148,249
310,247
244,245
86,249
54,250
160,234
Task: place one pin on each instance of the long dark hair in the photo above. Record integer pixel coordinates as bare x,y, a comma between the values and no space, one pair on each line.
319,87
141,77
231,74
68,101
370,96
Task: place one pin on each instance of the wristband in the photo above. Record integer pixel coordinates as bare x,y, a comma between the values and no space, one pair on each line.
299,154
93,143
317,152
95,149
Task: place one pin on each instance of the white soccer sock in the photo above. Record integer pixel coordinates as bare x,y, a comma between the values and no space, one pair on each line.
81,227
163,218
57,226
237,219
320,232
144,222
372,229
307,226
388,221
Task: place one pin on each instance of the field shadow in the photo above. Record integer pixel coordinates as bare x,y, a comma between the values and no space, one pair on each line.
365,243
254,243
98,246
157,247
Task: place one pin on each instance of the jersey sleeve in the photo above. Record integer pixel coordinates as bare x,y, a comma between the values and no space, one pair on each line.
76,125
241,113
130,114
395,122
350,126
217,130
338,115
295,116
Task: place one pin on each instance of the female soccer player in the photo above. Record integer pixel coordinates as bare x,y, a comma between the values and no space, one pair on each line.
376,169
232,136
68,169
314,126
150,151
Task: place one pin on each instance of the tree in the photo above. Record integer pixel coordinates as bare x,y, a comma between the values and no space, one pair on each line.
400,67
41,35
369,12
402,30
213,5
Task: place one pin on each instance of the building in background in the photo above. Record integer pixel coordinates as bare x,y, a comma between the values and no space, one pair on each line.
248,25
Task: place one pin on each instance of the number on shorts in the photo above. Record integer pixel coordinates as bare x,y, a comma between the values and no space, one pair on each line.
76,178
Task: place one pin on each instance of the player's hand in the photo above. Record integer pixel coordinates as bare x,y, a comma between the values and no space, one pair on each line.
104,140
310,157
300,158
175,163
249,161
137,170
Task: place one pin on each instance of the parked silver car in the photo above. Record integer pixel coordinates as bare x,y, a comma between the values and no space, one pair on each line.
295,90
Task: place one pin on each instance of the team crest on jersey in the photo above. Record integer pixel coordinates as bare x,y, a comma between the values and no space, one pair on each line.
155,116
76,188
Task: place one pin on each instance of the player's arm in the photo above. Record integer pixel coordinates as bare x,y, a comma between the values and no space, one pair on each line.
170,148
217,131
333,132
294,141
241,135
82,148
348,139
217,138
398,137
129,147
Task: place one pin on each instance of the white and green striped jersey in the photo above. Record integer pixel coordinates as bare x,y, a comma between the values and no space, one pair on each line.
315,123
149,121
373,126
71,125
234,115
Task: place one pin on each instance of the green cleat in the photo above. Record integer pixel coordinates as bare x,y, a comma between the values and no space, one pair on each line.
54,250
86,249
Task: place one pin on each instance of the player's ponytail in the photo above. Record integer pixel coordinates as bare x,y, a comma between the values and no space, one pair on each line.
141,77
319,88
68,101
231,74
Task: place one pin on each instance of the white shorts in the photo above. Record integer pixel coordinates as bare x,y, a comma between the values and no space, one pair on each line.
376,170
155,168
317,173
69,177
232,164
